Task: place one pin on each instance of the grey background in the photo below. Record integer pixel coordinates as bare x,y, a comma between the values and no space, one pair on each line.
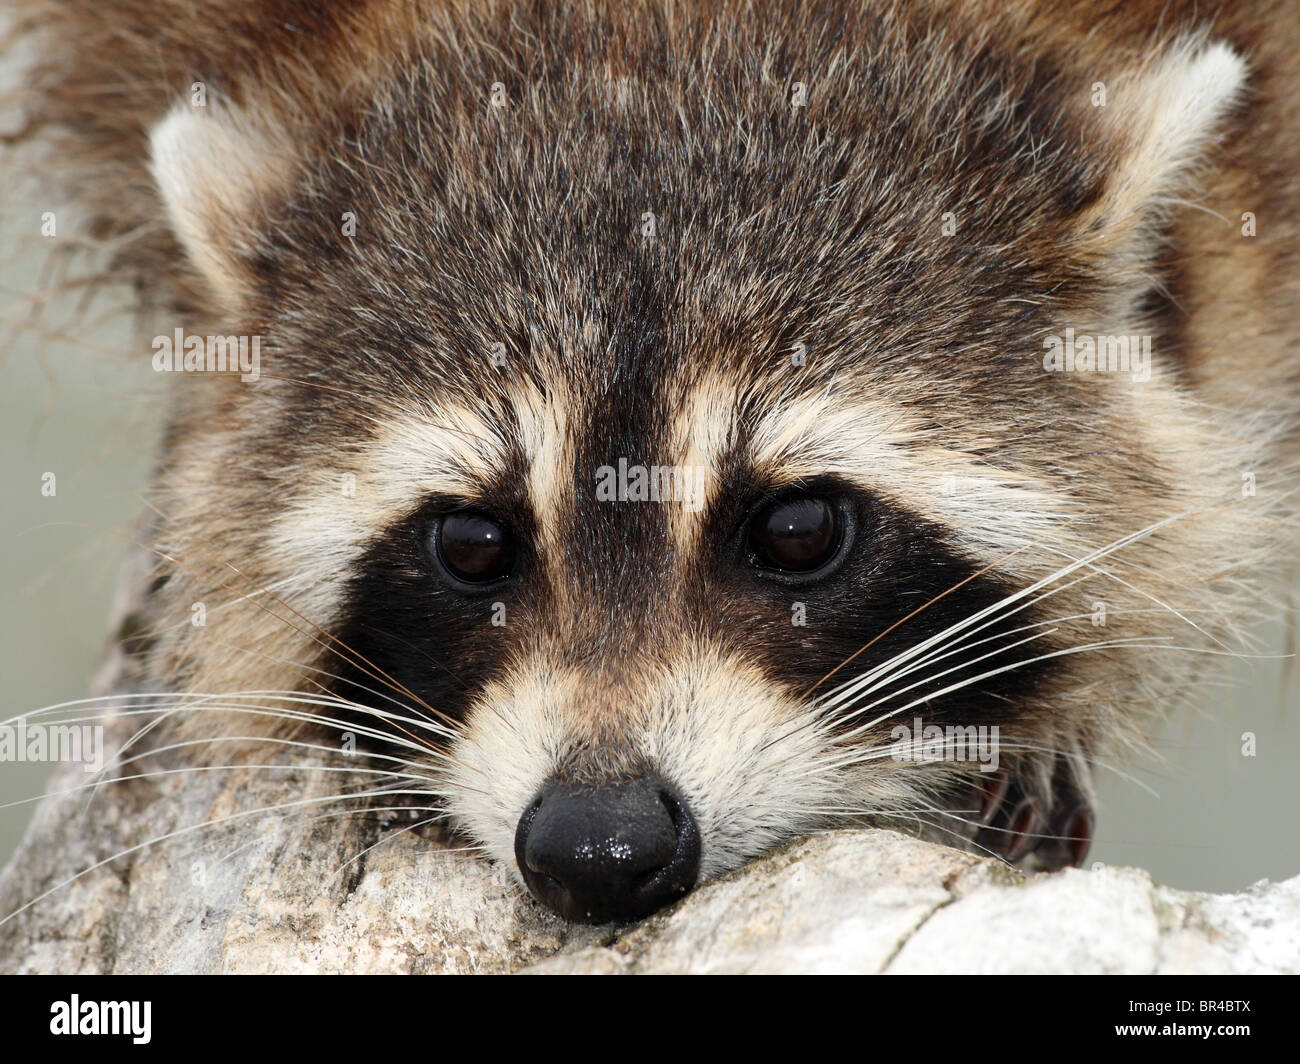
70,403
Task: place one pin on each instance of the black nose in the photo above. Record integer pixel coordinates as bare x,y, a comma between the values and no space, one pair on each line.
616,851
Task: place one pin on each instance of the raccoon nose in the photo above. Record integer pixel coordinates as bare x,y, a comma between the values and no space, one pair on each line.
616,851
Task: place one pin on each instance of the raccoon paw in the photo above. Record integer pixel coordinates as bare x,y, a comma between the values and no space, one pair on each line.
1015,822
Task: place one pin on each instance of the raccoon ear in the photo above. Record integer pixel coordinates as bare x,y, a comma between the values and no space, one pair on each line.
1162,121
218,172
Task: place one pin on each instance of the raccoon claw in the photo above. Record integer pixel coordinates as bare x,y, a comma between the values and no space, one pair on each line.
1009,821
1069,836
1014,824
992,793
1016,830
1069,829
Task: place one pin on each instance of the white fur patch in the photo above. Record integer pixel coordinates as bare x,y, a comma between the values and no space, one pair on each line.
755,766
548,449
213,167
340,511
1165,116
991,511
1185,97
453,449
704,429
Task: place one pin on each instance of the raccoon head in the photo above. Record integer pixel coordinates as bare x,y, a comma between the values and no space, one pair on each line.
658,444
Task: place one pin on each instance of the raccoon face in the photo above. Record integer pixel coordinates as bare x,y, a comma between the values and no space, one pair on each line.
682,464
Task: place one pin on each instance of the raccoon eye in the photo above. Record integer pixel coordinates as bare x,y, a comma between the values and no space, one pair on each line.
796,535
473,547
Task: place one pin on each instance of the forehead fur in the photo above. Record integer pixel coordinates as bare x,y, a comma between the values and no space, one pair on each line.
695,259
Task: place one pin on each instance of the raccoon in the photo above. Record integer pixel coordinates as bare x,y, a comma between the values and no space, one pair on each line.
672,428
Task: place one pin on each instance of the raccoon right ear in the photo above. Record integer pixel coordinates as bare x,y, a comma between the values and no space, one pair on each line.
1162,121
218,172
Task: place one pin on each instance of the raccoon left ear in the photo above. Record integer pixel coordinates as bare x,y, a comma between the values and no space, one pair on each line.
1162,120
218,172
